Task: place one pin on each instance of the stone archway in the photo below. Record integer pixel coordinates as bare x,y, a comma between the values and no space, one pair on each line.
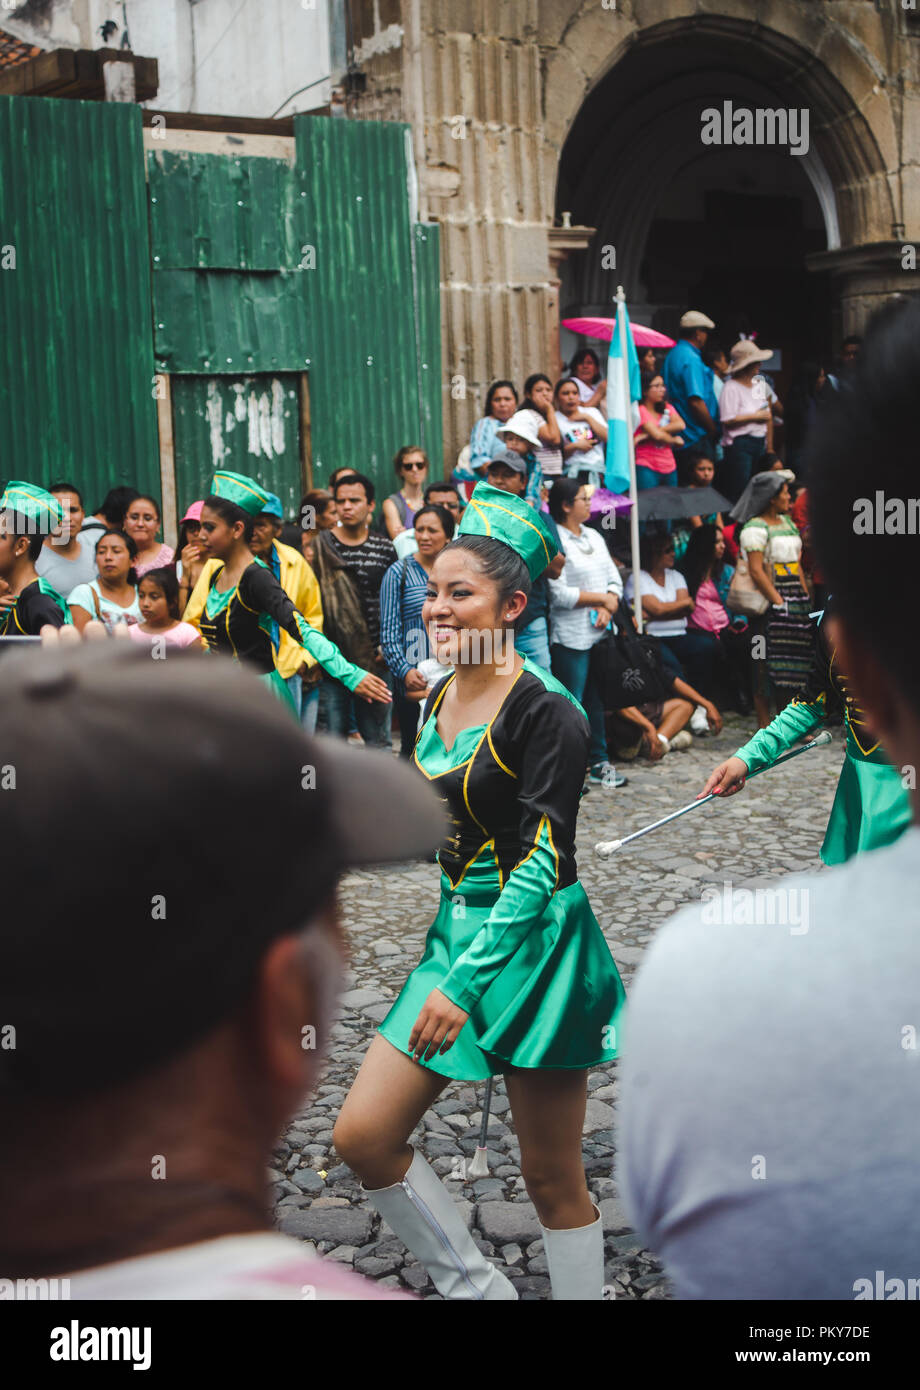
493,93
623,93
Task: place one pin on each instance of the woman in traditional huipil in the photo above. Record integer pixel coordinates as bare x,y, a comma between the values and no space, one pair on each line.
246,605
516,976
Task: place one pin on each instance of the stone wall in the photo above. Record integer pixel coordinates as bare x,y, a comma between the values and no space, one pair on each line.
492,88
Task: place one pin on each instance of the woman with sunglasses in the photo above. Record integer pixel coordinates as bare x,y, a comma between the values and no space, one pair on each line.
411,466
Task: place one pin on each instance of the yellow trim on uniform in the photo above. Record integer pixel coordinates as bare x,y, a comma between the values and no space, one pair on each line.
486,734
227,621
544,820
497,758
470,862
851,709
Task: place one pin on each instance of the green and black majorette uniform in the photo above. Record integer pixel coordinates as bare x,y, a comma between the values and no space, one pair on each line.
515,943
39,604
243,622
872,806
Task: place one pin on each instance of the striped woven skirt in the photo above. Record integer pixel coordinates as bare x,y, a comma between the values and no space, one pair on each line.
790,637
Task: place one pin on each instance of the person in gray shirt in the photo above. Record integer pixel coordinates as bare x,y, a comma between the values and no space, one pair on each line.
770,1124
68,558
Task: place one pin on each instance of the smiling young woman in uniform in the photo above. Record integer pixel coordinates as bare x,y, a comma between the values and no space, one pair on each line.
245,604
516,976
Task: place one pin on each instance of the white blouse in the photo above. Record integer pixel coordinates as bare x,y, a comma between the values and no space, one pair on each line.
588,568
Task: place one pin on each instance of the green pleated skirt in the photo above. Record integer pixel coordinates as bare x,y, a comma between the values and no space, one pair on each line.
871,808
558,1003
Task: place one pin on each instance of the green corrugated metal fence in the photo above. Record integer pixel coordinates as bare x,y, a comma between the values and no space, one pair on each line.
261,270
249,424
364,349
260,267
76,353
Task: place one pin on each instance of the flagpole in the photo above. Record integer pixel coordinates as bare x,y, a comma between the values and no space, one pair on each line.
633,491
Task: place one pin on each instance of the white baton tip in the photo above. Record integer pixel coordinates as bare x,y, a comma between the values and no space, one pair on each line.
607,847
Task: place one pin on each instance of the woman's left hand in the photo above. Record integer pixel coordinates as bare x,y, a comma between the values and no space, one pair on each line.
436,1028
373,688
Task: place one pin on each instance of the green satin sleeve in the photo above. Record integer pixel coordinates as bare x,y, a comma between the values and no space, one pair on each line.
326,653
552,754
260,591
797,719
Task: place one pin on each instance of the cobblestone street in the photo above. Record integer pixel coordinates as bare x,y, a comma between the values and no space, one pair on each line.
775,826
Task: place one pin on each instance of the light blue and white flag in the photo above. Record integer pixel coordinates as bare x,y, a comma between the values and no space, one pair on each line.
623,388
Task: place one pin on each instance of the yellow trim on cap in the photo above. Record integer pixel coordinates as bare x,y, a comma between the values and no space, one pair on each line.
507,510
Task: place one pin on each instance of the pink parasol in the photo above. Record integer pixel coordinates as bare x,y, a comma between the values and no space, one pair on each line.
603,501
603,330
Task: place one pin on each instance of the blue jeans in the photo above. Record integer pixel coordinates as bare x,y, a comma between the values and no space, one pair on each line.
309,709
693,657
306,703
295,690
573,668
337,704
647,477
734,472
533,641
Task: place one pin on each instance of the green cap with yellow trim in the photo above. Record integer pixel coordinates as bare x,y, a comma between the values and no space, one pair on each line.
505,517
245,492
35,504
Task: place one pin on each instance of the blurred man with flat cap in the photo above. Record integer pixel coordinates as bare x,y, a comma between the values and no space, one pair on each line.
162,1015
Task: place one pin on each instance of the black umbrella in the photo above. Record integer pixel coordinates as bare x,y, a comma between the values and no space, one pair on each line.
674,503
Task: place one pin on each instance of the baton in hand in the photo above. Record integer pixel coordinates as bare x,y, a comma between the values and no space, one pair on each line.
605,848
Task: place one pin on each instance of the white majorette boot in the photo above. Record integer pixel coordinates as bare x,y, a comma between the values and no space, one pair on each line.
424,1215
576,1261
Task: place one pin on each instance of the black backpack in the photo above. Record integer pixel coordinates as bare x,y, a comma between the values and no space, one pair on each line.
628,667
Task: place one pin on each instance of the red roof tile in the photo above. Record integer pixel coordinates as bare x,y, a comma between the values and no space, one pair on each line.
13,51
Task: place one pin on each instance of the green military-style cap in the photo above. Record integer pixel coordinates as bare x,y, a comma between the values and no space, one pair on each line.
505,517
245,492
35,504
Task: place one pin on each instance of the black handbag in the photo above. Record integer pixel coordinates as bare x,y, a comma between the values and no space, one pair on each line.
627,666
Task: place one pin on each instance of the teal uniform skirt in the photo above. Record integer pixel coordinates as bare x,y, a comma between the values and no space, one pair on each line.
278,686
557,1003
871,808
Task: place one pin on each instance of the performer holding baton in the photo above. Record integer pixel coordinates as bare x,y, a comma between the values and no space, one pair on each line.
871,807
516,976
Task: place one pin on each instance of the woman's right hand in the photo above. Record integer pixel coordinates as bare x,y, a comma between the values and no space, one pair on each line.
373,689
654,745
729,777
415,681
